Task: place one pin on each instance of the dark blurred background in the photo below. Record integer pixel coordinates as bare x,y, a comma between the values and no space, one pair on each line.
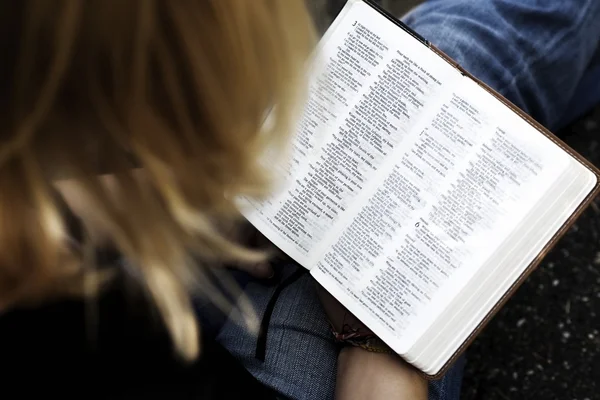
545,343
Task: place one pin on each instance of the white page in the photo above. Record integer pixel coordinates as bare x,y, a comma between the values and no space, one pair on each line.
336,78
498,169
362,107
504,180
466,311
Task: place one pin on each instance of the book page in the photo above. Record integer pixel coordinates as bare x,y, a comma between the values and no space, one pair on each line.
465,312
451,199
371,90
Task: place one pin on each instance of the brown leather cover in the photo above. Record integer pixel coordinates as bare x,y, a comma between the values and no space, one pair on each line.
542,131
554,239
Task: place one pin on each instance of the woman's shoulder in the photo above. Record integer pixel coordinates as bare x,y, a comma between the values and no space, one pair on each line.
115,344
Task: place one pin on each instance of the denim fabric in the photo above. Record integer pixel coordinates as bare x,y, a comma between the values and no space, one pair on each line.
544,56
301,356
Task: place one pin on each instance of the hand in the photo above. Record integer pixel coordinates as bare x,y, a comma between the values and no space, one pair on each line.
343,322
375,376
368,375
247,235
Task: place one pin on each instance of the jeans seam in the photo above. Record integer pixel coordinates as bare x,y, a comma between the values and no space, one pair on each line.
551,46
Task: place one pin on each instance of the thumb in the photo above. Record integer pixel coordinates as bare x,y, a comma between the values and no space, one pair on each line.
262,270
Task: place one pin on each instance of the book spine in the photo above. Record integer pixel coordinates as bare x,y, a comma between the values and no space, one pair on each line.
396,21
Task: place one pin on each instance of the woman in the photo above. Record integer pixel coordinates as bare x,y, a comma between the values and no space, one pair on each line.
129,128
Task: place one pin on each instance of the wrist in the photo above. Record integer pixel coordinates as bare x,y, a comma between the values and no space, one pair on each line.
364,374
358,355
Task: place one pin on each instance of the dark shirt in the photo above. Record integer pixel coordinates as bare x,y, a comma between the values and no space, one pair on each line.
112,348
115,347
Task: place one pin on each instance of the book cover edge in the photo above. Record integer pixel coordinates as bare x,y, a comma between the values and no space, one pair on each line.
543,130
516,284
396,21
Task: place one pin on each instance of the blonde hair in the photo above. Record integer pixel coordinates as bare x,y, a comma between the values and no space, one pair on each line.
176,88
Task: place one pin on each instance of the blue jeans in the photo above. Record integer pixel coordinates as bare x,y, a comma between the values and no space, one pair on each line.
544,56
299,360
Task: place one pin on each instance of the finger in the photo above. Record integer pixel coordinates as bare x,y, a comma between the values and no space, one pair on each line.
262,270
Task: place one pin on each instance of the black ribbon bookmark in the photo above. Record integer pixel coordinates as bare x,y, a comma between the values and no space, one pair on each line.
261,342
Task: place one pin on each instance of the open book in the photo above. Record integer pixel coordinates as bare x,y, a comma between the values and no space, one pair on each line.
415,195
